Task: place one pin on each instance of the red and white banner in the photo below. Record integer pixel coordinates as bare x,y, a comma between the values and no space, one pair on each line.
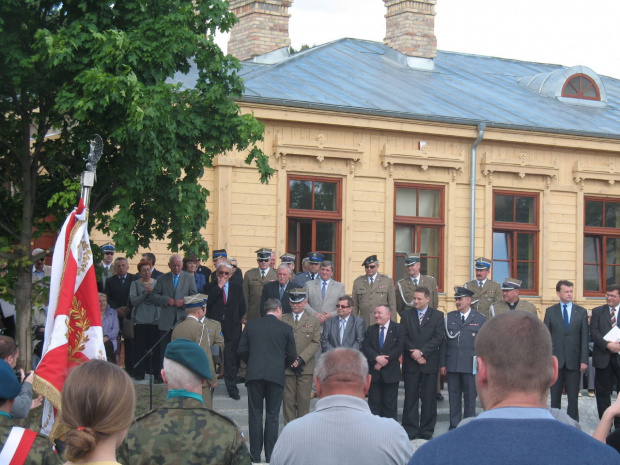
73,331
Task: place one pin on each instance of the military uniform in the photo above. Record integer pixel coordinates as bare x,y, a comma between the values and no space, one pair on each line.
297,387
502,307
367,298
206,334
457,357
41,452
490,293
405,289
184,431
253,290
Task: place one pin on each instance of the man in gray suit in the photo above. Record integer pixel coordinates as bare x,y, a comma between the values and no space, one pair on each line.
323,293
568,325
346,330
169,292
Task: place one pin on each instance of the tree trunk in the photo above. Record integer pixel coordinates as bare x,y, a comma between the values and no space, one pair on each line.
23,309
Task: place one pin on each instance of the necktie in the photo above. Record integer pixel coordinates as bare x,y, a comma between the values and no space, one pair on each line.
312,276
421,317
323,290
296,318
122,282
281,291
415,281
342,326
382,336
480,284
371,281
176,280
462,318
262,274
224,299
565,314
613,317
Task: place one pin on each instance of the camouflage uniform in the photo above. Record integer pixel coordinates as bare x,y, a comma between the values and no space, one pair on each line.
184,432
41,452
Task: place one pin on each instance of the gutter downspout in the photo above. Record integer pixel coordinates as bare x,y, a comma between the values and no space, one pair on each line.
472,188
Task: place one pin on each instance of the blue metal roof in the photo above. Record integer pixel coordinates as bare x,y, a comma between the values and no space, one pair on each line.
358,76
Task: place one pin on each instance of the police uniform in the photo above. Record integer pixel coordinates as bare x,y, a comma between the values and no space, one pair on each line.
457,357
366,297
253,284
490,292
298,383
303,277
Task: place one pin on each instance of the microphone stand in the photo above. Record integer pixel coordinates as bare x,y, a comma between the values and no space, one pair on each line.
149,354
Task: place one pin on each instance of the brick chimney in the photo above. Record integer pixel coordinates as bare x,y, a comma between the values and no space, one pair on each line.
262,27
410,27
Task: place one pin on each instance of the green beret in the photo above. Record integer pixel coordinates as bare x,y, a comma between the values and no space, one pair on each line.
190,355
9,386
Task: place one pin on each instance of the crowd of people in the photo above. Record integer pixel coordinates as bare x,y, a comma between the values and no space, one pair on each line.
293,336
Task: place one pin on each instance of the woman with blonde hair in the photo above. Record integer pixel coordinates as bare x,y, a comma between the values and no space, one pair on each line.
98,404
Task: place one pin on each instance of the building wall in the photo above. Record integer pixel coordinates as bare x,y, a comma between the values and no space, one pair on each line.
371,154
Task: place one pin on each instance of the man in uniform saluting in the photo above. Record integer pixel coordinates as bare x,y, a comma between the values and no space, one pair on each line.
371,291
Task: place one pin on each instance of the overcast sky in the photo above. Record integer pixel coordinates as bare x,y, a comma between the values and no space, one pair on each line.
566,32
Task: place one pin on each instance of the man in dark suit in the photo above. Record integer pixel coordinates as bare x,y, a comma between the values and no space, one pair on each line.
605,353
151,257
568,325
383,346
268,347
170,290
278,289
457,356
117,290
424,334
226,305
344,331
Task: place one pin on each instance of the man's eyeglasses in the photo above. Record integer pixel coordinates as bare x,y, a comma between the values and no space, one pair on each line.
343,306
371,267
263,260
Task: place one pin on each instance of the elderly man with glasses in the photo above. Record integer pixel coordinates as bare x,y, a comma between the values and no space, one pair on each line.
372,290
226,305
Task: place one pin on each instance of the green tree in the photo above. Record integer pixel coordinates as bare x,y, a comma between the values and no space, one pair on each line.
73,68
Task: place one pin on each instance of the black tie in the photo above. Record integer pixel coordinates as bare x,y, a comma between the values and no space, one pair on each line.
462,318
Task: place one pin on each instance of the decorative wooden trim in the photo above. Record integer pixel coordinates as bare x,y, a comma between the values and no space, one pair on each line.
609,173
521,168
424,158
319,148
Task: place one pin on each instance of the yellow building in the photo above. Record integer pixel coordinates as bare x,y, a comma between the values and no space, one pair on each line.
388,148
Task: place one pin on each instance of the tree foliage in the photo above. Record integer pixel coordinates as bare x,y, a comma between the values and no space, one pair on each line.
73,68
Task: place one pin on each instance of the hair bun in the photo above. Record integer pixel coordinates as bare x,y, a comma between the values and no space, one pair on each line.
82,441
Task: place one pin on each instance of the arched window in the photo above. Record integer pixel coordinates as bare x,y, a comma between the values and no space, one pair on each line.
581,86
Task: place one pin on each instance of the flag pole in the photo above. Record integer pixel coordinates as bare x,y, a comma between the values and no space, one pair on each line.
89,176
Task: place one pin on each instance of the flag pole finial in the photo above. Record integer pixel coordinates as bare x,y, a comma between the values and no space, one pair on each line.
88,176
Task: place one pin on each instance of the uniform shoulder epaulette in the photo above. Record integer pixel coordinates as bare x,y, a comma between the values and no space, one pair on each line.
401,280
224,417
429,276
385,275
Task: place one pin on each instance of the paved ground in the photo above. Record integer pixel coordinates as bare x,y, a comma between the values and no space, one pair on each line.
237,410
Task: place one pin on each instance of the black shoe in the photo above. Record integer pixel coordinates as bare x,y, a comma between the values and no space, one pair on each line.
234,395
439,396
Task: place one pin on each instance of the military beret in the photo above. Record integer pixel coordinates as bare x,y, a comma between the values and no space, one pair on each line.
412,258
197,300
297,295
482,263
510,284
109,247
463,292
315,257
369,260
9,386
190,355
